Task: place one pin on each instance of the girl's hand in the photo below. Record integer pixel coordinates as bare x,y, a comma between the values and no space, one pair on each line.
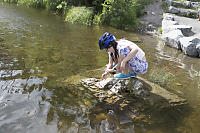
103,75
106,73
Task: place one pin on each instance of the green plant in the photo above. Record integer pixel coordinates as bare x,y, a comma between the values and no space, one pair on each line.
83,15
119,13
160,30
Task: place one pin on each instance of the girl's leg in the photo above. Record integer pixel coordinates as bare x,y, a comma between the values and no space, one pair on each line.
124,71
131,70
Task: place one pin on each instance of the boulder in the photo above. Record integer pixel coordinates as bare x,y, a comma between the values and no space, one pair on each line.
167,16
184,29
187,4
174,10
183,12
190,46
131,100
168,23
172,38
152,94
194,4
198,49
188,13
177,4
169,2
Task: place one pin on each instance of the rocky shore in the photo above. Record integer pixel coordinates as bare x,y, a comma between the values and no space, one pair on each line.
179,23
182,33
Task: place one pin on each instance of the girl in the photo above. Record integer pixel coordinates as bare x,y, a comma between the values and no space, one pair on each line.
128,58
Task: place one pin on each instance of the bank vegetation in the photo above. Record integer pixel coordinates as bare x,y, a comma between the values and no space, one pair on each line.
120,14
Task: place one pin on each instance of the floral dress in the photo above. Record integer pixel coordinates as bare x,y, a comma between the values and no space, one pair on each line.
138,65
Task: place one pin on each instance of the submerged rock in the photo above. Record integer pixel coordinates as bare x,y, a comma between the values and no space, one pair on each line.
133,100
140,88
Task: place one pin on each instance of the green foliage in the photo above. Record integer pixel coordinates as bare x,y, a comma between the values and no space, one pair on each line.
122,13
119,13
83,15
33,3
160,30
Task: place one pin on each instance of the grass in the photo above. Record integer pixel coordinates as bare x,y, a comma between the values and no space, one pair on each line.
82,15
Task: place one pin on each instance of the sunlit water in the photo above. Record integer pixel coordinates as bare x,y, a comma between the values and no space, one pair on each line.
40,51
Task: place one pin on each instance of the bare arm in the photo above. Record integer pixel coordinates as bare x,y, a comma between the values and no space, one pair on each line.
109,68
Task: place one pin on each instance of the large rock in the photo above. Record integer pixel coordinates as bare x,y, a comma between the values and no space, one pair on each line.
195,4
188,13
131,100
172,38
184,29
174,10
187,4
183,12
169,2
152,94
190,46
168,23
167,16
198,49
177,4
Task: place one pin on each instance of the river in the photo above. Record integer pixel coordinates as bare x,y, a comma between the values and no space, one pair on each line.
39,51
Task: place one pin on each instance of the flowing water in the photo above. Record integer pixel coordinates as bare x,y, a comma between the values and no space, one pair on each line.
38,52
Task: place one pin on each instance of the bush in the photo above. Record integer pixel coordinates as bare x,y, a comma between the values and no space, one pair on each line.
83,15
119,13
33,3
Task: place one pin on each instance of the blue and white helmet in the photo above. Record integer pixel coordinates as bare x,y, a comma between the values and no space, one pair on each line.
105,39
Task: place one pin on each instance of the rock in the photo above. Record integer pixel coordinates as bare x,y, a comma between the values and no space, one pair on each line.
172,38
198,49
169,2
194,4
130,100
187,4
177,3
184,29
140,88
183,12
190,46
188,13
168,23
167,16
174,10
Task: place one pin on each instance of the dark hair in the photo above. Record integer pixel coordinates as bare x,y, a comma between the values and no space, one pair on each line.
116,54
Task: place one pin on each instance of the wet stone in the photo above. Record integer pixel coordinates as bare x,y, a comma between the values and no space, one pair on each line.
136,87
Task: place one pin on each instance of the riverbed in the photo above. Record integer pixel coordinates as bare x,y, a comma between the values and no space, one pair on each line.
39,51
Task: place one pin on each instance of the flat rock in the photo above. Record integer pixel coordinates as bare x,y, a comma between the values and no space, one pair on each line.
172,38
137,87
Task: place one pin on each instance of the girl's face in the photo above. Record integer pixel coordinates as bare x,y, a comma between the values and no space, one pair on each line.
110,49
